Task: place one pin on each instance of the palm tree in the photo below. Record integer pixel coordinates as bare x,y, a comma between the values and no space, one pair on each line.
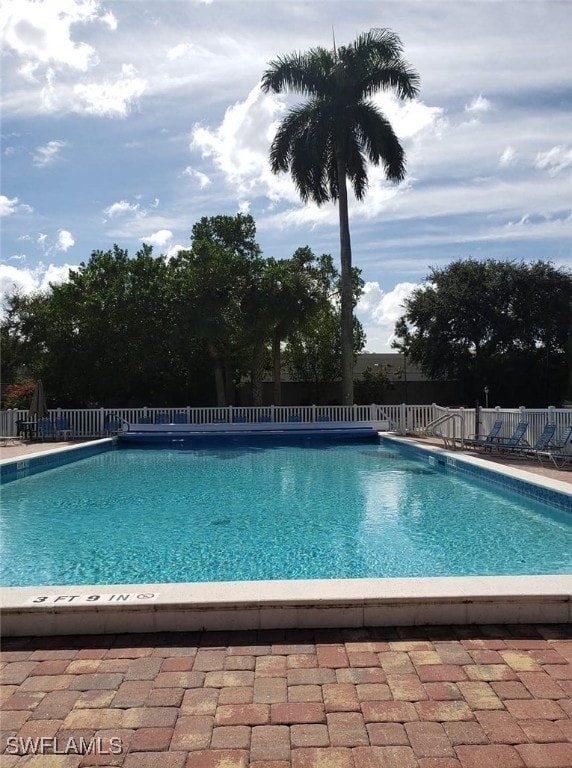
328,139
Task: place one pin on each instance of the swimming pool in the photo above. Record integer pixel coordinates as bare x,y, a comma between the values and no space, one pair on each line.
255,511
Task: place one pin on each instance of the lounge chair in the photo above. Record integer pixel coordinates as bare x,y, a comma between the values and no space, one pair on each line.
484,441
514,443
181,417
294,417
162,418
239,419
264,417
559,454
543,442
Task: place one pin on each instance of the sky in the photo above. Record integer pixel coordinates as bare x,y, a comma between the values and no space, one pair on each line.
127,121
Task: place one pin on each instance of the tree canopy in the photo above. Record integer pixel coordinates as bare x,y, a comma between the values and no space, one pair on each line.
500,324
147,330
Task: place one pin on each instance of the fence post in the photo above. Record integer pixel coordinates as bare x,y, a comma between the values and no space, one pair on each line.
372,408
101,421
11,425
403,419
229,417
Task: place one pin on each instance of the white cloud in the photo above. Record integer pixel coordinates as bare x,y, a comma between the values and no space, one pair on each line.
110,98
159,238
120,208
11,205
178,51
173,250
26,280
479,104
508,156
65,240
109,19
238,149
48,153
379,310
40,33
202,178
16,279
554,160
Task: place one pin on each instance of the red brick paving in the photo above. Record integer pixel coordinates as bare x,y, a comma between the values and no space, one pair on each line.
405,697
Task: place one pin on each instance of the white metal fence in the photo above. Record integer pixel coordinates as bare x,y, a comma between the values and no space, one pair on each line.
92,422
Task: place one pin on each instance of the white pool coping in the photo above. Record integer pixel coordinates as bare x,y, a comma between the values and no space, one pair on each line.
101,609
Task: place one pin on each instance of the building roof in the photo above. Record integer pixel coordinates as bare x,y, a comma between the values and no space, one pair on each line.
395,365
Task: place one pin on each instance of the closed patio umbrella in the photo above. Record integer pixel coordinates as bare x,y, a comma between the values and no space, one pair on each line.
38,406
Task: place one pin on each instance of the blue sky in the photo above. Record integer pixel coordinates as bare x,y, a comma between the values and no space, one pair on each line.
126,121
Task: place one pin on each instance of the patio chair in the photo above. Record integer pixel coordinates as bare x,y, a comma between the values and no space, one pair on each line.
264,418
45,429
239,419
484,441
543,442
181,417
514,443
559,454
294,418
162,418
63,428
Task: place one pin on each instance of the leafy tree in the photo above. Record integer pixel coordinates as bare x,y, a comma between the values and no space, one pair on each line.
327,141
373,385
19,395
211,282
297,294
100,336
313,351
500,324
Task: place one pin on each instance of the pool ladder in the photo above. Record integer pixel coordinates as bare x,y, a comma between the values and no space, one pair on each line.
450,441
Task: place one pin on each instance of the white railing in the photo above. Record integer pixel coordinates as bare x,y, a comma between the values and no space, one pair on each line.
402,418
92,422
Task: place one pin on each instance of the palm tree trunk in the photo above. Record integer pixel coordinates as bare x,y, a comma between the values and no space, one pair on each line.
346,292
277,365
218,374
257,373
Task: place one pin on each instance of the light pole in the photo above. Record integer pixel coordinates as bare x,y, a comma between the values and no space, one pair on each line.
486,391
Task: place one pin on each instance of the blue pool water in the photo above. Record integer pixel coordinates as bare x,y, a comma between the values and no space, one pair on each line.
268,512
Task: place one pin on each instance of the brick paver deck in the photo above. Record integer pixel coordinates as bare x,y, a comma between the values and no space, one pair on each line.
429,697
